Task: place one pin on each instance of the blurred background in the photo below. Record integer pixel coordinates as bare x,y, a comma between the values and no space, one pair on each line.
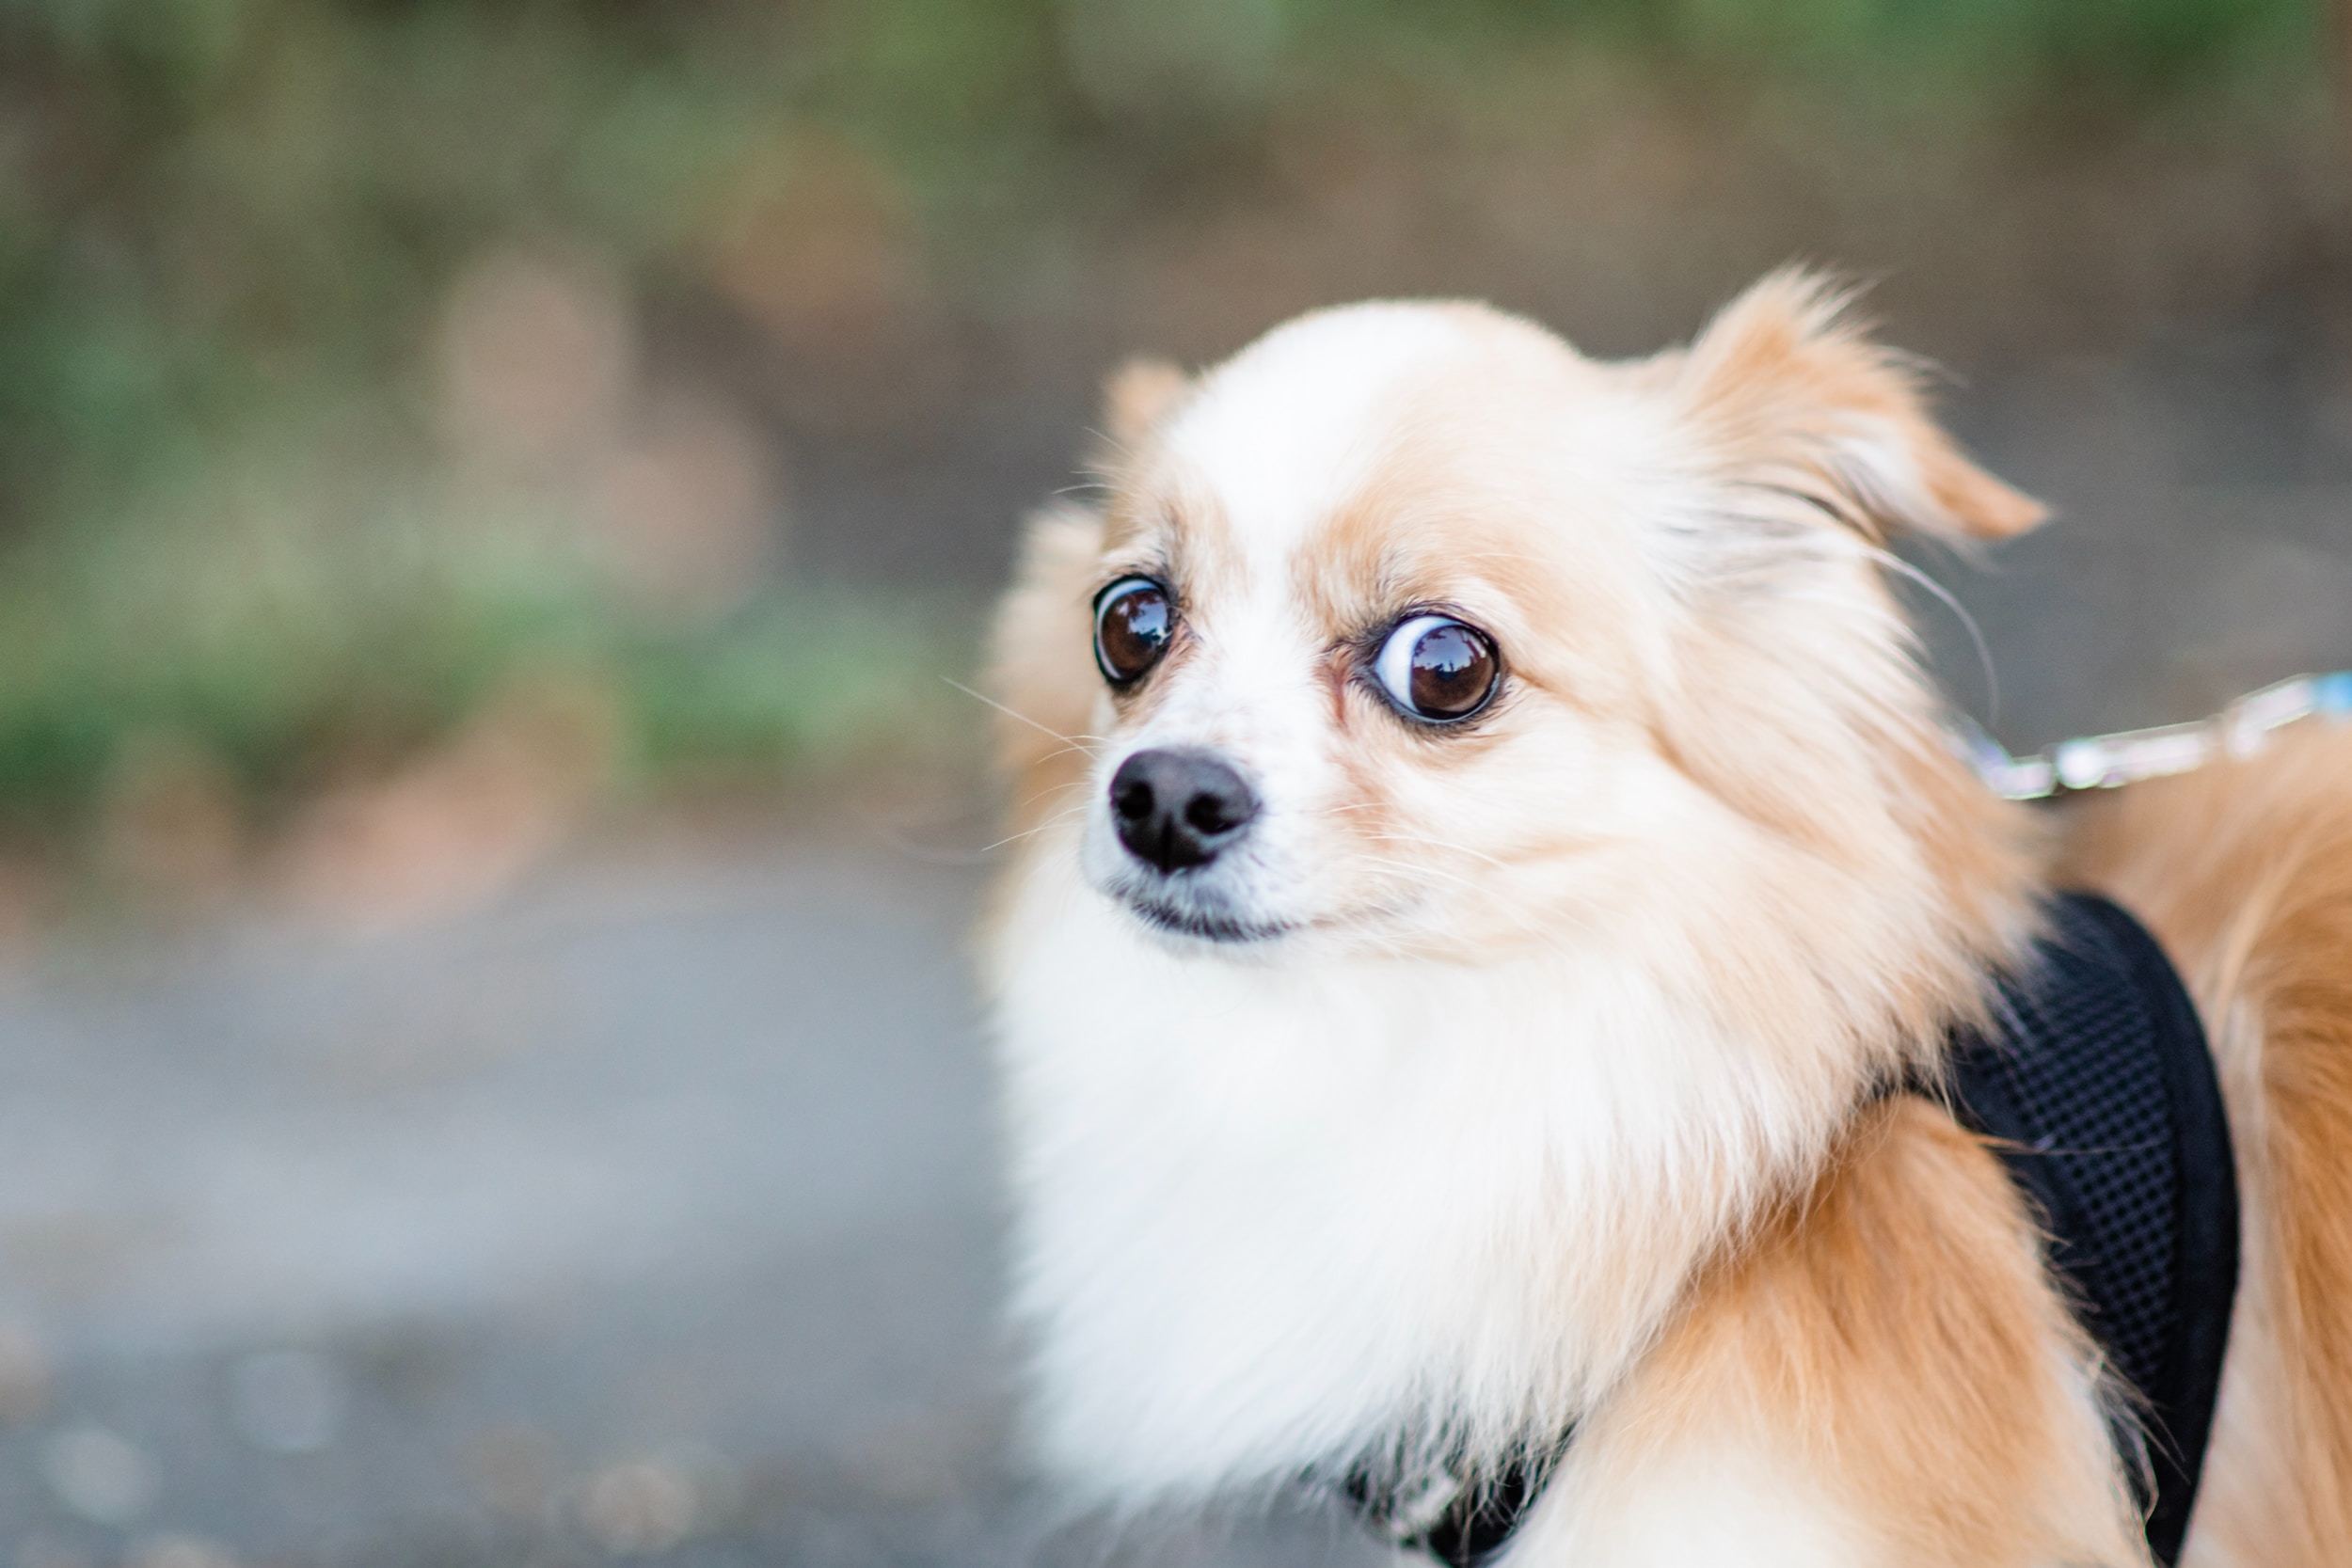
492,495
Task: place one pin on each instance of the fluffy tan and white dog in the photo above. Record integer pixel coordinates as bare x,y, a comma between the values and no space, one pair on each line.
1484,835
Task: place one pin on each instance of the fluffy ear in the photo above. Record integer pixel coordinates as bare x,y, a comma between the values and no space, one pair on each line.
1040,668
1137,396
1795,397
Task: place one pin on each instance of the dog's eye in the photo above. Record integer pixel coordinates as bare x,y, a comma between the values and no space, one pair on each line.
1437,669
1133,622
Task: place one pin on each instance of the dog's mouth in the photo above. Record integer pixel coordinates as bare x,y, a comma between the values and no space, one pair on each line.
1203,925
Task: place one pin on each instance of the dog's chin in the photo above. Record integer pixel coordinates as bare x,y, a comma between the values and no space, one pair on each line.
1189,927
1196,920
1189,920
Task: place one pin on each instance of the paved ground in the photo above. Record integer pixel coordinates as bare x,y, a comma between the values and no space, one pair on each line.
647,1213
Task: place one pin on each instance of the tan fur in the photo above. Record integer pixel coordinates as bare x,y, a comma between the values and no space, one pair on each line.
1906,1363
1796,391
1871,1295
1804,419
1792,398
2244,870
1138,397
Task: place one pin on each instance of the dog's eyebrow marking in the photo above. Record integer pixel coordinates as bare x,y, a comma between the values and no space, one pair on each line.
1338,670
1179,531
1154,562
1133,522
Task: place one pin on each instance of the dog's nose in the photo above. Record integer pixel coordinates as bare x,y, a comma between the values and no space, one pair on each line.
1178,809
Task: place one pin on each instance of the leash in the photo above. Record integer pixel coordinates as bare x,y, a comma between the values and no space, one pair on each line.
2127,757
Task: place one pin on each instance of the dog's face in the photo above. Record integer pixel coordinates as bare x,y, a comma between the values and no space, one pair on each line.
1369,641
1410,629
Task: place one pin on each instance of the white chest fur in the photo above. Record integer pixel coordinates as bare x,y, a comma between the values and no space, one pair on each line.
1269,1214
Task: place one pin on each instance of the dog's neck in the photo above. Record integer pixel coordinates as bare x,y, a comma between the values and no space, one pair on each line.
1286,1216
1273,1218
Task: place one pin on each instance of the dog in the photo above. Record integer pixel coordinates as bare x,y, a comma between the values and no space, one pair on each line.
1492,896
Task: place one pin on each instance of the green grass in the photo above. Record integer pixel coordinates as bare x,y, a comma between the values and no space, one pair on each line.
282,666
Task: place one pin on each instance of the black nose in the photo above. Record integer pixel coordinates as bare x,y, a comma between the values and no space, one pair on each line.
1176,809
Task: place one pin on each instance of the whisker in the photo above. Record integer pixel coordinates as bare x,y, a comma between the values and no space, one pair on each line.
1545,939
1905,570
1518,556
1387,863
1053,821
1113,442
1062,788
929,854
1495,860
1012,713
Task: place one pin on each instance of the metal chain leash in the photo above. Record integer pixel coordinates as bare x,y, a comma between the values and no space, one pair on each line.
2126,756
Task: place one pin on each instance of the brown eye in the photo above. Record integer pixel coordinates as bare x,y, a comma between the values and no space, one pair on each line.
1437,669
1133,622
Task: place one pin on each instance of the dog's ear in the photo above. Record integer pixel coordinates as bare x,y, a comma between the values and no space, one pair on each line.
1136,396
1794,398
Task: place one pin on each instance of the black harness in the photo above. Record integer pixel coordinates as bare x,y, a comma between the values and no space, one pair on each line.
2099,1090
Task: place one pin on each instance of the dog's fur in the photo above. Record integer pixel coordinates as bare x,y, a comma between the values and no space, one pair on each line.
1550,1101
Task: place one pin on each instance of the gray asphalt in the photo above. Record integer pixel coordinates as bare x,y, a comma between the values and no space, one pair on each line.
644,1214
647,1212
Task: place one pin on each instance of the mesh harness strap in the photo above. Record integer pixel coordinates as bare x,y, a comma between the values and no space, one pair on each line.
1462,1522
2101,1094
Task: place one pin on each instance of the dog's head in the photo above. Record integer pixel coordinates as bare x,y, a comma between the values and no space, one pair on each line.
1410,629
